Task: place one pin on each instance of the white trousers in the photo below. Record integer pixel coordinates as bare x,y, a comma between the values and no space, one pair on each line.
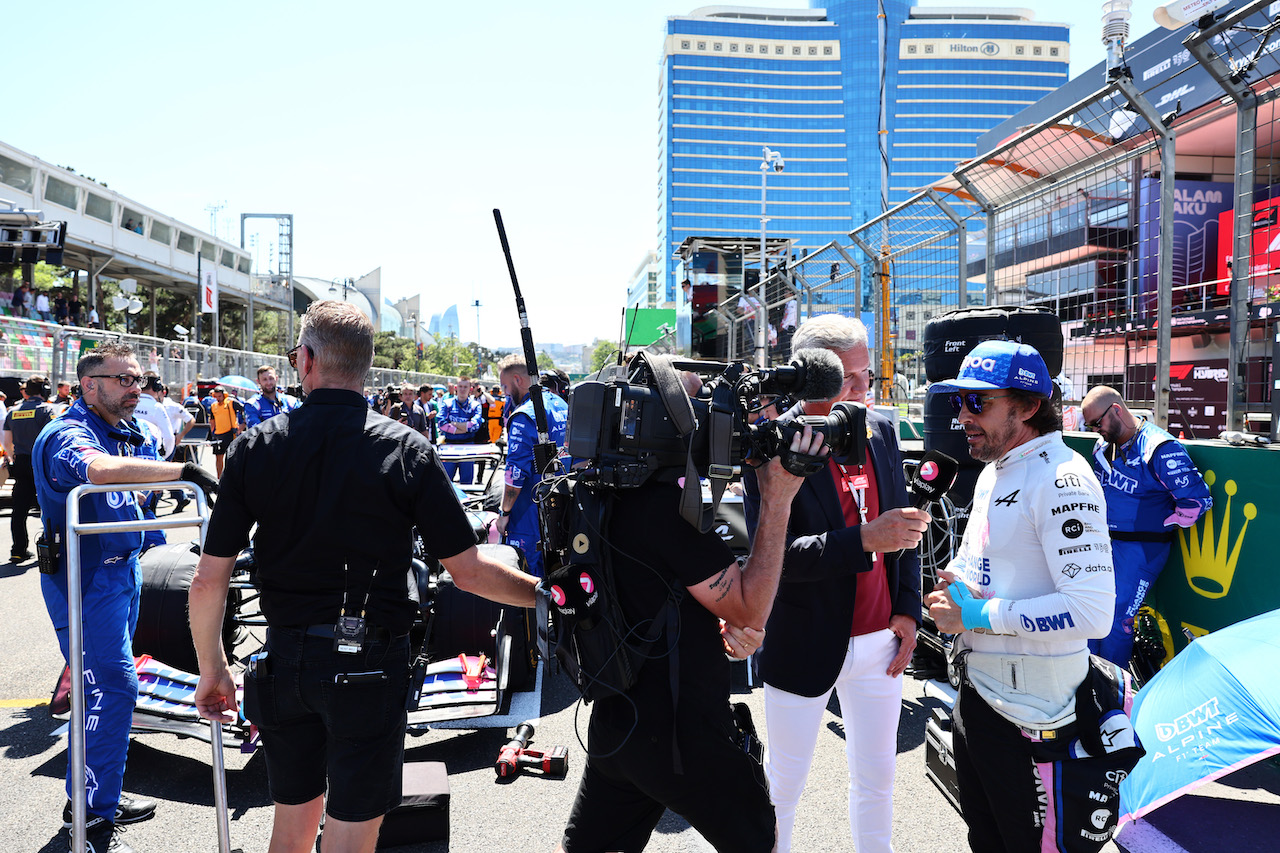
870,704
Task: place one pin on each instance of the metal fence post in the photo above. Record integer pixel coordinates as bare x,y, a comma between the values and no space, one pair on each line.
1164,286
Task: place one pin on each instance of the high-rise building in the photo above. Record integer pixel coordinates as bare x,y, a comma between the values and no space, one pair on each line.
960,72
868,102
735,80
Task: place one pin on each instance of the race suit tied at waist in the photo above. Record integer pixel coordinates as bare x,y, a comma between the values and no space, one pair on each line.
1031,691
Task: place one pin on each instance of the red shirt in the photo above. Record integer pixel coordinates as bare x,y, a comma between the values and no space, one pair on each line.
871,606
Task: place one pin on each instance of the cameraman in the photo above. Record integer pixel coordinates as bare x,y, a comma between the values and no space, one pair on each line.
336,491
847,609
669,741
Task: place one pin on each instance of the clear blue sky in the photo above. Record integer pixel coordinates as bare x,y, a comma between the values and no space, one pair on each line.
390,130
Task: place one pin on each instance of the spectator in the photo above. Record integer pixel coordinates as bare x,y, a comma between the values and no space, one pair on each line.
42,307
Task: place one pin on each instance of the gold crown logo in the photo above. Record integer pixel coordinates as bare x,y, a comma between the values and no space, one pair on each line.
1211,564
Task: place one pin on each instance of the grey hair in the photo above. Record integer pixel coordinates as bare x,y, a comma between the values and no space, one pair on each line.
834,332
341,339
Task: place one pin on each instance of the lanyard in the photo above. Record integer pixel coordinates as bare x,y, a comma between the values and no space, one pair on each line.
855,480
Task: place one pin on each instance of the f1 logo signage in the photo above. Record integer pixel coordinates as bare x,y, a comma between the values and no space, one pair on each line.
209,291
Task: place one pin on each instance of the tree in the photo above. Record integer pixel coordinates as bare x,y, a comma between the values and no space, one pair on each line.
449,357
545,361
602,354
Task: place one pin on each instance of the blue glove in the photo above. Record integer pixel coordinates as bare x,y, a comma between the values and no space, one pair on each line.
974,612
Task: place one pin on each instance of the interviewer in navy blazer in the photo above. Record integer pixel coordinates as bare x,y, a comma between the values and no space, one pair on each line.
847,608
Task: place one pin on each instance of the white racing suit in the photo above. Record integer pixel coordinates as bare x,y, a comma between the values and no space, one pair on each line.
1036,548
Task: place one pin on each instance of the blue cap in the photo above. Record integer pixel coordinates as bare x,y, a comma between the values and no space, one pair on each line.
1001,364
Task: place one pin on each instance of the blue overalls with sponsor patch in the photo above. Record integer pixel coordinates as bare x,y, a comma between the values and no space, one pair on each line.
1150,477
522,435
110,584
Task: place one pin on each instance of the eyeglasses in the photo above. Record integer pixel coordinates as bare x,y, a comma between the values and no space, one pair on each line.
975,402
126,380
1093,425
868,375
293,355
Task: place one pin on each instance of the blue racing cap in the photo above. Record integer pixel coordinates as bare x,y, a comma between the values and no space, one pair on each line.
1001,364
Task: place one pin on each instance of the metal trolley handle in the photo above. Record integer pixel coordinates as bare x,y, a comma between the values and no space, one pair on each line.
75,613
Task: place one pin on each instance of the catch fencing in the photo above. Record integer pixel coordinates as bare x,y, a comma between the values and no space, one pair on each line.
30,347
1152,231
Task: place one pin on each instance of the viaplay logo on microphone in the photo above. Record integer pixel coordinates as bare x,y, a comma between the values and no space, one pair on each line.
557,595
928,471
588,585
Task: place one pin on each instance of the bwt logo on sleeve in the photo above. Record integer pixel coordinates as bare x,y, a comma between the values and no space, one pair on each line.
1057,622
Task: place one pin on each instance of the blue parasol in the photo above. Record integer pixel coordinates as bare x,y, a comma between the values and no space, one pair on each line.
1214,709
235,381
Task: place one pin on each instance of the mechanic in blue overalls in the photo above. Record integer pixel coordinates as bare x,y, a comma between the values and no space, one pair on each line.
460,419
519,517
269,403
96,441
1152,488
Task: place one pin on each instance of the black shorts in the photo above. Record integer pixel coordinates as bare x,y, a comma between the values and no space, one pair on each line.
722,792
221,441
321,734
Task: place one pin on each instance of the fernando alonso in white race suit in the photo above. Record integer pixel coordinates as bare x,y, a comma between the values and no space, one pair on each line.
1031,584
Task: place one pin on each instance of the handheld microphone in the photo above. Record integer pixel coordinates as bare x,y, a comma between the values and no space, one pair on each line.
813,374
932,479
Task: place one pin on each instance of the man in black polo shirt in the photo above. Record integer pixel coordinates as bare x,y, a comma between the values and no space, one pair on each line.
336,491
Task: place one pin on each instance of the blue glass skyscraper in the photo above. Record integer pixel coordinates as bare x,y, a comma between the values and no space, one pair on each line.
735,80
869,101
955,74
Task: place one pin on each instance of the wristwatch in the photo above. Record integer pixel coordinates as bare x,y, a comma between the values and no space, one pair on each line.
504,512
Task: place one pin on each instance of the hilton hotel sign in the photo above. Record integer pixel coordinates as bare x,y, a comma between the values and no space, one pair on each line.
1045,51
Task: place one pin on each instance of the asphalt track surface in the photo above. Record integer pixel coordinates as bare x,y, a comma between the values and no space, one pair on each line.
526,813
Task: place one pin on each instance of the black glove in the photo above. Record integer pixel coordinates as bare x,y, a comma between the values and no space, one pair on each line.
193,473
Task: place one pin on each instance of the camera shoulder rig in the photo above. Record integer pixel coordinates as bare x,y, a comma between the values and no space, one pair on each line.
720,412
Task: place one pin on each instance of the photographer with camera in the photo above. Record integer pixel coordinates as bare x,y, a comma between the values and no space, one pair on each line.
336,491
847,609
670,740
